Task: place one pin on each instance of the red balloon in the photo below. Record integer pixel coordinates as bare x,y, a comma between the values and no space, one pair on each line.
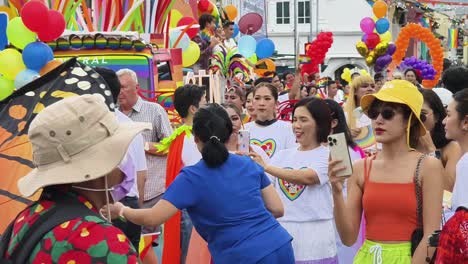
35,15
203,5
372,40
55,27
185,21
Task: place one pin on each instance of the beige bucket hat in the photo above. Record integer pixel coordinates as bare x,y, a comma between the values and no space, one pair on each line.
75,140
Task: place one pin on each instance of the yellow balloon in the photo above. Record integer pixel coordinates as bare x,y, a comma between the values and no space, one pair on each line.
18,34
381,48
386,37
364,73
176,16
370,60
191,55
253,58
346,75
7,87
11,63
361,47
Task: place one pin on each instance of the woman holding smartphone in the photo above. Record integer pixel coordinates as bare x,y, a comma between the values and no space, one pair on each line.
234,140
266,131
302,182
384,186
244,231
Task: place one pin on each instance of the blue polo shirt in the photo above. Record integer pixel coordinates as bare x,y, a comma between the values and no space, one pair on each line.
227,209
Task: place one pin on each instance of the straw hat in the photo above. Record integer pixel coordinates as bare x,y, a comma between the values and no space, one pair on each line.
76,140
401,92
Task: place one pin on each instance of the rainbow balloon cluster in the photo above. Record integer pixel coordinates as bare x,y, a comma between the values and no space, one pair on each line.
375,45
28,59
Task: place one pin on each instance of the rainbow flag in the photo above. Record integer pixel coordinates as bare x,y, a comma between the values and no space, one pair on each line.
146,243
304,59
452,38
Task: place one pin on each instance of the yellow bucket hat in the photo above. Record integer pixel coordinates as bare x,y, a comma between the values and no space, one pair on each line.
400,92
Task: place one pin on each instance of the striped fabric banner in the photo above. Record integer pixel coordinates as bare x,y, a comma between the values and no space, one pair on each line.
452,38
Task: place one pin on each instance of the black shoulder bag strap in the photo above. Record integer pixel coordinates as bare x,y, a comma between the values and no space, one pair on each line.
67,208
418,188
5,241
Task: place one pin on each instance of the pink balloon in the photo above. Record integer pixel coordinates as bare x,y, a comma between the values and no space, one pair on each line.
367,25
34,15
55,27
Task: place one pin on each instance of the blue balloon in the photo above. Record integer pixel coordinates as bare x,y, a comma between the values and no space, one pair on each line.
36,55
265,48
247,45
382,25
236,31
24,77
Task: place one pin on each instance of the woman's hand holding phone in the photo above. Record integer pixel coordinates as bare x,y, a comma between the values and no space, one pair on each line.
334,168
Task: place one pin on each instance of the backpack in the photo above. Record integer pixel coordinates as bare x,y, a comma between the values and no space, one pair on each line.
66,209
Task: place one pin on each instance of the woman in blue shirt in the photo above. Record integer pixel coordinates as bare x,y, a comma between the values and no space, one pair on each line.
229,198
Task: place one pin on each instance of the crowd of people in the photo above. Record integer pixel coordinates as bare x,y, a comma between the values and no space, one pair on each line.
131,171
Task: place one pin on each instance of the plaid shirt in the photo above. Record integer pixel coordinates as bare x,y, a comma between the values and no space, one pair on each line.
144,111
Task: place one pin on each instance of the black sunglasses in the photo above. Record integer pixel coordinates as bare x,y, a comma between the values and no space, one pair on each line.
387,113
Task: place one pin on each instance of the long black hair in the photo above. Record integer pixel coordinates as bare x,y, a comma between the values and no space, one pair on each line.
213,127
436,105
336,112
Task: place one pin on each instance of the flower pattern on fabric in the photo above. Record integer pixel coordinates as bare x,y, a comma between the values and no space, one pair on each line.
453,243
88,239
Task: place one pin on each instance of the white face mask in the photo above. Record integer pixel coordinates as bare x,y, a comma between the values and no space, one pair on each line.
106,189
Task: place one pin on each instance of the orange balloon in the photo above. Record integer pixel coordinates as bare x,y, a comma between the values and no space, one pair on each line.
231,12
435,50
380,9
50,66
263,66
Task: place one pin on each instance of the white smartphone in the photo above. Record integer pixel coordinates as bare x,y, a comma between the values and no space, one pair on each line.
339,151
244,141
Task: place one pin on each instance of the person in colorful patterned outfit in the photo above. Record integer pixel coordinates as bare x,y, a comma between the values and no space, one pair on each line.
77,146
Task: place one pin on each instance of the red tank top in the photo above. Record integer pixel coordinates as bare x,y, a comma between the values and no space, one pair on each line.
389,208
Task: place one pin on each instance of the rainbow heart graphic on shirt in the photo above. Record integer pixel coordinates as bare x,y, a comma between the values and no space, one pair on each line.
268,145
366,137
291,190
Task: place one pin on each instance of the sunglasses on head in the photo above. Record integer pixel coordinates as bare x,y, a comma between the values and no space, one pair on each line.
386,112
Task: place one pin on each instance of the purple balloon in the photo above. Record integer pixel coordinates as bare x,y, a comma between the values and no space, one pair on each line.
380,61
388,59
364,38
391,49
367,25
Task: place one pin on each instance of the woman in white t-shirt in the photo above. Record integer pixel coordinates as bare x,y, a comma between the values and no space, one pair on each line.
233,143
301,180
268,132
456,128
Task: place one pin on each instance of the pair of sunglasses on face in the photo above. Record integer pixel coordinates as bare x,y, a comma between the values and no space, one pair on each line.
388,113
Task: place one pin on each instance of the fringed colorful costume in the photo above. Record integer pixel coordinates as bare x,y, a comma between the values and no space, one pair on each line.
229,63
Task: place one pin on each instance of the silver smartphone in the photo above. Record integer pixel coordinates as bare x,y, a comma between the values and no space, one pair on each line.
244,141
339,151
